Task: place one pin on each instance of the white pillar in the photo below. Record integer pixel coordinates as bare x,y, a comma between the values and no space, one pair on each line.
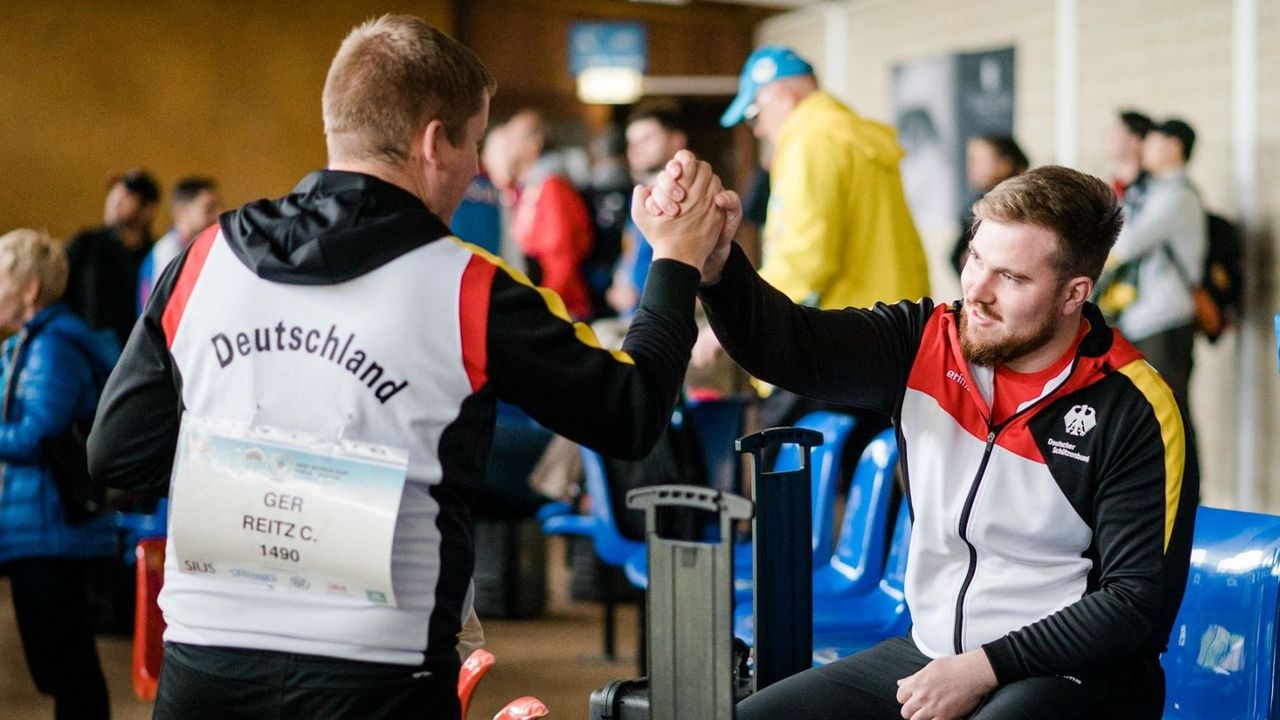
1254,337
835,61
1066,115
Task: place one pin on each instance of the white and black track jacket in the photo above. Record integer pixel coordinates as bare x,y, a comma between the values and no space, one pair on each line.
346,309
1057,540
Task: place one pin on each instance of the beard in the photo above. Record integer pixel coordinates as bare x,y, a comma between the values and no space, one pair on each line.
1010,347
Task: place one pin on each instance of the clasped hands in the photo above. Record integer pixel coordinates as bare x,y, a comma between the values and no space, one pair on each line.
687,215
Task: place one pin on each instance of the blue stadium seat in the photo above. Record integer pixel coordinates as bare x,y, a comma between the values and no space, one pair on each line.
858,562
843,625
601,526
1221,660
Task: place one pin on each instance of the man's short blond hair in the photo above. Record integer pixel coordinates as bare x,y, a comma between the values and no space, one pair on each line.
390,78
27,255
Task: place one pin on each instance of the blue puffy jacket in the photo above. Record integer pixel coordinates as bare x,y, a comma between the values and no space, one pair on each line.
53,372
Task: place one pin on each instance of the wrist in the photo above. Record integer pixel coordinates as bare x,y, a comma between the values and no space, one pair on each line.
680,253
983,672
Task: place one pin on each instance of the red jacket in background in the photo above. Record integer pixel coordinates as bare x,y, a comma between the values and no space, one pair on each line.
553,228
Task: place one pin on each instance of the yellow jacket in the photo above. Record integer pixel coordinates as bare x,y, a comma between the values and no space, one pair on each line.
838,231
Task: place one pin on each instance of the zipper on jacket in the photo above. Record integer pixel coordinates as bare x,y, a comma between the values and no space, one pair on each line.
992,432
964,535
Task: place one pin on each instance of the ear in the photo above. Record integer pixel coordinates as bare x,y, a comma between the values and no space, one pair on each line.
30,293
1076,292
433,136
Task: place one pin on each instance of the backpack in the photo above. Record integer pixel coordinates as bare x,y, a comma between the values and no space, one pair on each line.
1223,276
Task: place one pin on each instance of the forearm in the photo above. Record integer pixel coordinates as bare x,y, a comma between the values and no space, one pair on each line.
615,402
851,356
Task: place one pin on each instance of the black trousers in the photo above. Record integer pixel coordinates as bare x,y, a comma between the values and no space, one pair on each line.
51,602
217,683
864,687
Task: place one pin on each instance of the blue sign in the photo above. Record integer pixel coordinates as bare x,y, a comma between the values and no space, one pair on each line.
608,44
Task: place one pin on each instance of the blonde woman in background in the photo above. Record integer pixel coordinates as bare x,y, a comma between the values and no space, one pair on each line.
53,369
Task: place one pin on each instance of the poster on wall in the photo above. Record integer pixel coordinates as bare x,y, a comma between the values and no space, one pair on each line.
940,103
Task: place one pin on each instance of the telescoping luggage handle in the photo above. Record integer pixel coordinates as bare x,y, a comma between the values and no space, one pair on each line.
690,600
782,531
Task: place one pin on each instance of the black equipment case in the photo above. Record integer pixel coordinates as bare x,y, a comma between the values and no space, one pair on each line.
697,669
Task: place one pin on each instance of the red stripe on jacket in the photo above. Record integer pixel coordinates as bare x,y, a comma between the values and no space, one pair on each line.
187,278
473,317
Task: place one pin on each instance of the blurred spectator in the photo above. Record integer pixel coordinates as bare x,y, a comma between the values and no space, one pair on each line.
838,231
103,284
195,206
608,197
1158,258
478,220
1122,146
653,137
54,367
550,220
989,161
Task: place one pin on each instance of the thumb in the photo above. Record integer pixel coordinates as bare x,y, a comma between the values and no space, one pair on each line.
640,198
731,204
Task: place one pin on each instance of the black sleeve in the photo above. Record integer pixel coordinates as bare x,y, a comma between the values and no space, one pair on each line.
1141,575
852,356
135,431
617,402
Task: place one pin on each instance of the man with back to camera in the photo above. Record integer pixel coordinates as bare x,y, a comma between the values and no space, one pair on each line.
1051,487
327,366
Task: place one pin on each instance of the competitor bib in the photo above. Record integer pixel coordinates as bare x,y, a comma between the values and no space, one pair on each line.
285,509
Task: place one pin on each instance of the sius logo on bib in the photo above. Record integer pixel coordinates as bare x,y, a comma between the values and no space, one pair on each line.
1080,419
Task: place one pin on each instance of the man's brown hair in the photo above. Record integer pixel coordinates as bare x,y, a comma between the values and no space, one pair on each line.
1079,209
391,77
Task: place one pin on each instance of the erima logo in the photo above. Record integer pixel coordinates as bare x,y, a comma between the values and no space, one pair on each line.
1080,420
957,377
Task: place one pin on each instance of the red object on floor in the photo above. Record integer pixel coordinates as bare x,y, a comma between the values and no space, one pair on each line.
148,622
472,672
522,708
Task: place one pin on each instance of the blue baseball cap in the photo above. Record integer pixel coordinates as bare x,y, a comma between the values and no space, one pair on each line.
766,64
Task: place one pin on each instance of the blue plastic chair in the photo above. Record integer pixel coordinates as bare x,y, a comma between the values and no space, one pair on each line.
858,562
600,525
824,463
1221,660
843,625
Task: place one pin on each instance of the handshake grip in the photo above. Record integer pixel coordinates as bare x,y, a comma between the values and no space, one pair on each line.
687,215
